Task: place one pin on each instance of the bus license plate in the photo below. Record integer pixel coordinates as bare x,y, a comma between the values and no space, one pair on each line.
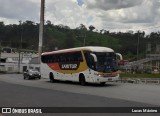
109,79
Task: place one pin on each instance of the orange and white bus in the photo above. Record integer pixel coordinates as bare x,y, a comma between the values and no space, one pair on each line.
84,64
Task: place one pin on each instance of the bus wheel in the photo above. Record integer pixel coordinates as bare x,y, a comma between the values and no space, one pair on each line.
82,80
28,77
51,77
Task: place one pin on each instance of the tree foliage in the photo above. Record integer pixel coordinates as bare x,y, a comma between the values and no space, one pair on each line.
91,27
62,37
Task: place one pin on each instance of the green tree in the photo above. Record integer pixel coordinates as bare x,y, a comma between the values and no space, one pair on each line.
70,40
91,27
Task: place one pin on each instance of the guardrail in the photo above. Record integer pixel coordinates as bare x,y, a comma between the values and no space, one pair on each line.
140,80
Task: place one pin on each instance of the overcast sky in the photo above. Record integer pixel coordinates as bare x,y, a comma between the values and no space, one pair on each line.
113,15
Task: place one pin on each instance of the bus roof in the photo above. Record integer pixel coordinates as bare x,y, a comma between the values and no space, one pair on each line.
89,48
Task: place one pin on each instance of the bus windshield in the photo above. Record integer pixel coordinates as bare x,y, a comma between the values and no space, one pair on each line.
105,61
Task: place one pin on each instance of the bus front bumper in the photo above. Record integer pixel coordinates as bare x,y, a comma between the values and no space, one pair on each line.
100,79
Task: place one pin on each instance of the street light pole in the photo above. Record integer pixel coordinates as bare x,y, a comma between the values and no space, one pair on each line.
41,28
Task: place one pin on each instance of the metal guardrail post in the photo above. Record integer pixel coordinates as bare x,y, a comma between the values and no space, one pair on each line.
145,81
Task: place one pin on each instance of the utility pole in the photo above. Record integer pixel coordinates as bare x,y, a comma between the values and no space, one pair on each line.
0,51
20,48
138,47
84,37
41,28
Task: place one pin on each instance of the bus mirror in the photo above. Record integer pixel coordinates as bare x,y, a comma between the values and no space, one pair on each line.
120,56
94,57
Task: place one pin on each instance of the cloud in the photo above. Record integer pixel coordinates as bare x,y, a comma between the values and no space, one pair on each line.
67,12
112,4
19,9
126,15
114,15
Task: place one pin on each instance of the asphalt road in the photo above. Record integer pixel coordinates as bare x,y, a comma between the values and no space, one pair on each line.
141,93
17,92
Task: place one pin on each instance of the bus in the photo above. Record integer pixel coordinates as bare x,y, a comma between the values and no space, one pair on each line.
83,64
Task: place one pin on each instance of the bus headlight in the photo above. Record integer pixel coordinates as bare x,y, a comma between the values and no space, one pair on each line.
100,75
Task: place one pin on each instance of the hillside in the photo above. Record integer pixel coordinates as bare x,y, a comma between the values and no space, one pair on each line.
61,37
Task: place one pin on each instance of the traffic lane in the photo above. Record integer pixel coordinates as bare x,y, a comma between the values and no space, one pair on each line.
13,95
132,92
22,95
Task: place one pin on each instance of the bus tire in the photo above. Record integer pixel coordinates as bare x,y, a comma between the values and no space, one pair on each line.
82,80
27,77
51,77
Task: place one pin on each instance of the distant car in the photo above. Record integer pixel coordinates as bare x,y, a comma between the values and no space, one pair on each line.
31,74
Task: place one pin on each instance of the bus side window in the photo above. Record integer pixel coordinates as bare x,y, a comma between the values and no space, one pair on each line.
67,57
80,59
70,59
61,58
49,58
52,58
75,57
57,58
